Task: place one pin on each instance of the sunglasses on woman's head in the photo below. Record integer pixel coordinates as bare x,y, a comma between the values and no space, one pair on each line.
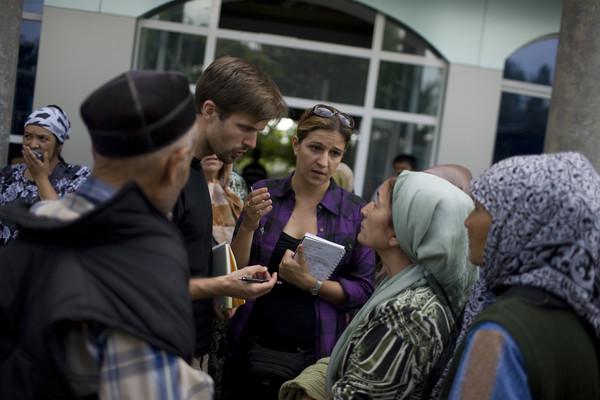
324,111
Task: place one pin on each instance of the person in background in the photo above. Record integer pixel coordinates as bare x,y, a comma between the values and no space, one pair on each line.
234,101
457,175
226,208
44,174
532,325
344,177
226,205
254,171
94,295
302,318
416,226
238,185
404,162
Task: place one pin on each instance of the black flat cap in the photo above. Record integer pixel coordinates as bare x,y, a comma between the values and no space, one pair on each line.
138,112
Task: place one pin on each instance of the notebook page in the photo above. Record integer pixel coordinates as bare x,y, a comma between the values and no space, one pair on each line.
322,256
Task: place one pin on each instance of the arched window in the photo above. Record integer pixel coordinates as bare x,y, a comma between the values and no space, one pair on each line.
337,52
526,91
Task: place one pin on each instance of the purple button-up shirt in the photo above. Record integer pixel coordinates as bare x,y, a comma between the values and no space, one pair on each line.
338,220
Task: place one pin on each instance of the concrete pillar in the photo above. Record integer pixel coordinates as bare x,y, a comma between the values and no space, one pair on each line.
10,25
574,120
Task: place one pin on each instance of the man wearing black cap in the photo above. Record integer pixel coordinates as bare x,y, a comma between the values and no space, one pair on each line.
94,294
234,100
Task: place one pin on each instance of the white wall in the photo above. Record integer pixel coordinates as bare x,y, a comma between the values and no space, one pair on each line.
471,107
474,32
79,51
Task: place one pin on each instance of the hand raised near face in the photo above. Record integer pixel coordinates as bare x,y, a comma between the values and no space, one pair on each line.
258,203
36,167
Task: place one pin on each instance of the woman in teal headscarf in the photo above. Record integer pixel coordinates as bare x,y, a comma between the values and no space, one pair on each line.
416,226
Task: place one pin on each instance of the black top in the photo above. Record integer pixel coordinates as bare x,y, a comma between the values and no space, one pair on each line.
193,216
285,317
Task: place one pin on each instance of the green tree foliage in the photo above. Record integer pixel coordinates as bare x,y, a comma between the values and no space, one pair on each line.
277,154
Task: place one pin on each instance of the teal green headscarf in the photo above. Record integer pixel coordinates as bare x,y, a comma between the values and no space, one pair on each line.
428,215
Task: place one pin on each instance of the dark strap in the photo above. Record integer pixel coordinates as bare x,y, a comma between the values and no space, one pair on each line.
537,296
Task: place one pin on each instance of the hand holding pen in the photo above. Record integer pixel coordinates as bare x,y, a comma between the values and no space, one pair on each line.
250,279
250,282
257,204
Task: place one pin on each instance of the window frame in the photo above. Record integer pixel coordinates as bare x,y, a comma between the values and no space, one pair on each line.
375,55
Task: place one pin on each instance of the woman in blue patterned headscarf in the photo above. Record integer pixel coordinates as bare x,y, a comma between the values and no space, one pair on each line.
532,325
43,175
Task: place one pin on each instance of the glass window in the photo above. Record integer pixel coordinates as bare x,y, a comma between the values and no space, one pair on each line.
521,126
401,40
161,50
304,73
195,12
310,72
390,138
33,6
533,63
275,144
351,24
26,68
409,88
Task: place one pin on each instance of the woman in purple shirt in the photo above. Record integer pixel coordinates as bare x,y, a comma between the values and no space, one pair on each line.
301,319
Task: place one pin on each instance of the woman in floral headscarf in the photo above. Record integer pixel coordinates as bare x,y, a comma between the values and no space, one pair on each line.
44,175
531,327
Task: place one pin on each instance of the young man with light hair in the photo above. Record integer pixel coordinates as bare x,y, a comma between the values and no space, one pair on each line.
234,102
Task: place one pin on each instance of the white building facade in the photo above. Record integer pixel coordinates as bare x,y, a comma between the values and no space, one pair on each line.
422,77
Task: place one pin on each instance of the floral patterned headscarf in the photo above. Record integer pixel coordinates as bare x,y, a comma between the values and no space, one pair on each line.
52,118
545,229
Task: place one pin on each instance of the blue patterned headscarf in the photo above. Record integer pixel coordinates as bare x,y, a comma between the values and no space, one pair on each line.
545,230
52,118
545,233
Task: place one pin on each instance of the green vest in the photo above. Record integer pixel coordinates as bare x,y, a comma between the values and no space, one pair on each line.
560,353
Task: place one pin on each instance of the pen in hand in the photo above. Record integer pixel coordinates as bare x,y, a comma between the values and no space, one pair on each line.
250,279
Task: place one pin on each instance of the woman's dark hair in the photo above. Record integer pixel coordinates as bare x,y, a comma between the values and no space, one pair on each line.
309,122
57,107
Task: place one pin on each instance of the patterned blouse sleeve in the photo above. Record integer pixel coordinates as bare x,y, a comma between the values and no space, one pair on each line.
391,356
238,185
5,197
80,176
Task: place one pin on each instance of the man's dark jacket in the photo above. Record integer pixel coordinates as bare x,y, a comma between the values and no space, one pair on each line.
121,265
193,216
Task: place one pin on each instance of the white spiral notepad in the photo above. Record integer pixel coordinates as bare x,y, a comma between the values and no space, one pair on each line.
322,256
